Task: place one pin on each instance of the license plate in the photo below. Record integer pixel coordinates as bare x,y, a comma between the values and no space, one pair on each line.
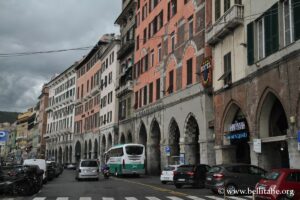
208,178
181,179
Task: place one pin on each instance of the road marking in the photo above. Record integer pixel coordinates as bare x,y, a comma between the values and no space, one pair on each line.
107,198
174,198
62,198
152,198
237,198
214,197
248,197
131,198
39,198
85,198
195,198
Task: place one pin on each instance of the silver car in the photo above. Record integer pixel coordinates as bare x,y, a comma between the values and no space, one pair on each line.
88,169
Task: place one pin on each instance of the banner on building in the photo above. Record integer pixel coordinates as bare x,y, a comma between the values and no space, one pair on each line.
3,137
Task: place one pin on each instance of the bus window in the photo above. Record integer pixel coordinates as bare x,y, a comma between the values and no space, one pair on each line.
134,150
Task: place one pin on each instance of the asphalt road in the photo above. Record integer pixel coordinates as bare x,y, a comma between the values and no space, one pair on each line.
65,187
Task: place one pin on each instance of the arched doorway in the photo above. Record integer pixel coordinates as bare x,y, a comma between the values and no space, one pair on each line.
129,137
60,156
70,155
96,149
192,147
122,139
66,154
90,149
273,126
143,140
103,149
174,135
109,141
154,149
77,151
85,150
237,135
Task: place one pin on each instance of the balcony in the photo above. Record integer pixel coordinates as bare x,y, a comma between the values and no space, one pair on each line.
231,19
124,89
125,49
95,90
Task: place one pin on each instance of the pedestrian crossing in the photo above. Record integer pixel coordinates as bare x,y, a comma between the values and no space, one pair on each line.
208,197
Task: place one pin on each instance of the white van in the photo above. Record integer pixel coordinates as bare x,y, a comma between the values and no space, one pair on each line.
39,162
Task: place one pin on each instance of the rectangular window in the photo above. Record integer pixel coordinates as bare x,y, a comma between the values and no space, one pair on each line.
172,41
137,42
171,82
226,5
145,36
140,98
271,30
173,7
296,14
150,92
189,71
157,89
191,27
217,9
159,53
152,57
250,43
136,103
287,19
145,95
260,39
227,69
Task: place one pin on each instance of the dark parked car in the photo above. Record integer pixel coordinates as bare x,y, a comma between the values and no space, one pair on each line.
287,180
190,175
233,177
56,167
51,172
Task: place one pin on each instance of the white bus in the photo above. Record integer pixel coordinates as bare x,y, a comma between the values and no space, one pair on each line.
126,159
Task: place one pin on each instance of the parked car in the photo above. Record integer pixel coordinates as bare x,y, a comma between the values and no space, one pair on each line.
232,177
55,167
190,175
42,165
167,174
51,171
287,180
88,169
61,168
71,166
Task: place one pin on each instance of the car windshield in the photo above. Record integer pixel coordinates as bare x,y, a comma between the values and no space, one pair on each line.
89,164
134,150
187,168
272,176
169,168
214,170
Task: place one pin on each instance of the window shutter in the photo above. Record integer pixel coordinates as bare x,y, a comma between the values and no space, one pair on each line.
271,30
250,43
296,11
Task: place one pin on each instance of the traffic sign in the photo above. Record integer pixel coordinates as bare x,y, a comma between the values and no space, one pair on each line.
168,150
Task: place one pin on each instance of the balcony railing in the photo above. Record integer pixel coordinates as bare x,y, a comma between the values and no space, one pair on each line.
125,88
225,24
125,48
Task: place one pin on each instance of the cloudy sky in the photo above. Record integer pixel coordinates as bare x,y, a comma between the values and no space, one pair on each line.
42,25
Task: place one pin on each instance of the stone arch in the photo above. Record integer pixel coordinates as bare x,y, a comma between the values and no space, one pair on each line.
154,148
191,137
122,139
129,137
174,137
77,151
95,149
190,43
171,58
103,148
90,149
236,134
142,134
85,149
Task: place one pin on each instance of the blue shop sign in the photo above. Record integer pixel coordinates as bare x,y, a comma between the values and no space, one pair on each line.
299,136
236,136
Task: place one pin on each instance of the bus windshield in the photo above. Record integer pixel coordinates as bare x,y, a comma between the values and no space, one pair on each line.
134,150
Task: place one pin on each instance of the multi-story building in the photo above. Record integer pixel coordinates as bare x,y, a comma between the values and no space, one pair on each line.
124,91
22,133
42,120
256,81
172,107
87,119
108,101
60,116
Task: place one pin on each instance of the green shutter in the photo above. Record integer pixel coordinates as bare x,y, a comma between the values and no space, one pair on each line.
271,30
296,11
250,43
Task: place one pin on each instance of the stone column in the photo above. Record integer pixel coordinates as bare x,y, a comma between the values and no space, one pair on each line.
294,153
153,163
225,154
207,155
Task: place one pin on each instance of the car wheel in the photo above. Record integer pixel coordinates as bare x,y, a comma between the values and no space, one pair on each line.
231,189
164,182
178,185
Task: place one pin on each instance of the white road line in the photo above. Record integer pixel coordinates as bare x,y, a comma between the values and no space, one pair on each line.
214,197
62,198
237,198
194,198
152,198
8,199
131,198
39,198
107,198
248,197
174,198
85,198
